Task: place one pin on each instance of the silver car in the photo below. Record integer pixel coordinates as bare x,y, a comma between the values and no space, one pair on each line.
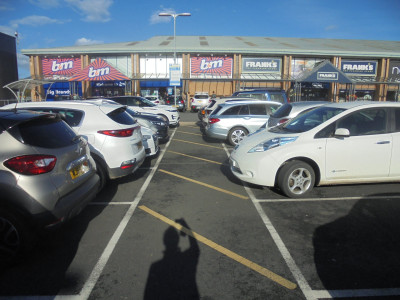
47,176
290,110
233,120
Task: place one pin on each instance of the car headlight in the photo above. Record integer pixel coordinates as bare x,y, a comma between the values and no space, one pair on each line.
273,143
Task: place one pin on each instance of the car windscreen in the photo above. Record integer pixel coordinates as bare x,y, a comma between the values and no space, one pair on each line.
282,111
147,102
47,133
121,116
311,119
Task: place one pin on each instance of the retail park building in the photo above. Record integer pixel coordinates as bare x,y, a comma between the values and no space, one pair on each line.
357,69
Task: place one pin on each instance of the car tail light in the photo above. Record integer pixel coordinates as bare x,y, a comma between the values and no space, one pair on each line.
182,101
283,121
118,133
31,164
168,102
213,120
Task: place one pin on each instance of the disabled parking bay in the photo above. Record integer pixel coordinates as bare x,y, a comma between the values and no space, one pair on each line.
183,227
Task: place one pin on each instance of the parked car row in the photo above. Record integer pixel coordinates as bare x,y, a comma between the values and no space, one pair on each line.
58,155
47,176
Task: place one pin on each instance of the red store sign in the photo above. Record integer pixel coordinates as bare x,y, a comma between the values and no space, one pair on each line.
211,65
61,66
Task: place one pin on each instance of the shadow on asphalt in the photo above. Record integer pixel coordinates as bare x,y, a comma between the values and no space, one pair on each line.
361,250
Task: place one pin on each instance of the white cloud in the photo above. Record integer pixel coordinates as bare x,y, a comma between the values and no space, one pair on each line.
36,21
155,18
85,41
45,3
92,10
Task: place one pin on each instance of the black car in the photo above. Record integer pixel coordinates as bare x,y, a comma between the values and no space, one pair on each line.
160,125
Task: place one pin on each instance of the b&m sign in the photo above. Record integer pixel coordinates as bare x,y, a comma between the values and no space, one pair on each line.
99,70
61,66
211,65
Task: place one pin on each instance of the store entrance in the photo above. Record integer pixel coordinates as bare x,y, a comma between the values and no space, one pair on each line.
108,88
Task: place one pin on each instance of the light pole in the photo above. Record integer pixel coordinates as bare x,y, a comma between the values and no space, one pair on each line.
174,16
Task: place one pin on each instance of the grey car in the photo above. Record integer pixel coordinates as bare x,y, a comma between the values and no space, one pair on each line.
47,176
233,120
290,110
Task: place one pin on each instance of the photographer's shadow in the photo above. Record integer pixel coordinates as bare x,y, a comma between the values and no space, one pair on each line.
174,276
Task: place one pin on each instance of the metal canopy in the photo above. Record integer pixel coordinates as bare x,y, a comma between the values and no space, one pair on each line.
324,72
24,84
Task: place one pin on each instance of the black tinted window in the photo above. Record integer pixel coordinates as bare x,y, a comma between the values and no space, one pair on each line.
47,133
258,109
277,97
122,101
121,116
397,119
365,122
237,110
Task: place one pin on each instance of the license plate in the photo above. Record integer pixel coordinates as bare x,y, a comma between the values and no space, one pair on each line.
79,170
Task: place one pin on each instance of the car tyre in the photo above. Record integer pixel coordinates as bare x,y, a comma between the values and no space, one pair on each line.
101,171
296,179
236,135
14,238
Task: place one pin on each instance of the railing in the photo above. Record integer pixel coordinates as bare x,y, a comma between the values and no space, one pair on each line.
5,102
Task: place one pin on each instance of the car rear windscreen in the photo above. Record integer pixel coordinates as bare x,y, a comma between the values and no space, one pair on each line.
121,116
47,133
283,111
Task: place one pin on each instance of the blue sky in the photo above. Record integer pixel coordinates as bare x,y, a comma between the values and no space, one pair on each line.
58,23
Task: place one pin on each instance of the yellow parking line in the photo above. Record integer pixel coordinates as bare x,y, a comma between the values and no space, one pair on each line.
207,160
190,133
205,184
255,267
205,145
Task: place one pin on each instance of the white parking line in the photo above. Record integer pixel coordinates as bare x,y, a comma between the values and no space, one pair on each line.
326,199
301,281
98,269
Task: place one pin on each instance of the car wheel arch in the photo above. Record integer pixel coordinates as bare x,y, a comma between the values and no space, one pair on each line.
304,159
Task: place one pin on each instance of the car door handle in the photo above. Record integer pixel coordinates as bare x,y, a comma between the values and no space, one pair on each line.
383,142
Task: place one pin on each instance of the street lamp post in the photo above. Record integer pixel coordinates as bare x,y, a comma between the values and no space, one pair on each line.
174,16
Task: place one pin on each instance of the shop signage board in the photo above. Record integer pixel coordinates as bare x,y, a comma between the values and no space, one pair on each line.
99,70
60,68
394,70
261,65
212,66
327,76
359,68
174,75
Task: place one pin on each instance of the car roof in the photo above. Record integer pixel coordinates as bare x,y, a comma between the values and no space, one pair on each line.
71,104
353,104
247,101
12,117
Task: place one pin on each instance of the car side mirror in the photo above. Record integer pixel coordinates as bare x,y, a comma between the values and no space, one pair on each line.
342,132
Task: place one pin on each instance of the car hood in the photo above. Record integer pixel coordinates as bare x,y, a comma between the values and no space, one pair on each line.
262,136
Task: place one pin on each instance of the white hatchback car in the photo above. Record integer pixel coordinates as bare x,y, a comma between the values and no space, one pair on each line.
140,104
115,138
338,143
199,100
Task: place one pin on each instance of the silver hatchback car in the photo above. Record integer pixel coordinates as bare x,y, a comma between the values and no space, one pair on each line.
47,176
233,120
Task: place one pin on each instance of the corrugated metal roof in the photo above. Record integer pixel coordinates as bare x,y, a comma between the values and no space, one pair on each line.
246,45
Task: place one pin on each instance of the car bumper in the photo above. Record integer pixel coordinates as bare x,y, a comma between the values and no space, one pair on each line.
255,168
121,171
216,133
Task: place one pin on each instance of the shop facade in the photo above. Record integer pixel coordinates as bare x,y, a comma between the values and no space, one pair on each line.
146,71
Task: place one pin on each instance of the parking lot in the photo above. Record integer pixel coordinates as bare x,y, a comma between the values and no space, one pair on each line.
183,227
